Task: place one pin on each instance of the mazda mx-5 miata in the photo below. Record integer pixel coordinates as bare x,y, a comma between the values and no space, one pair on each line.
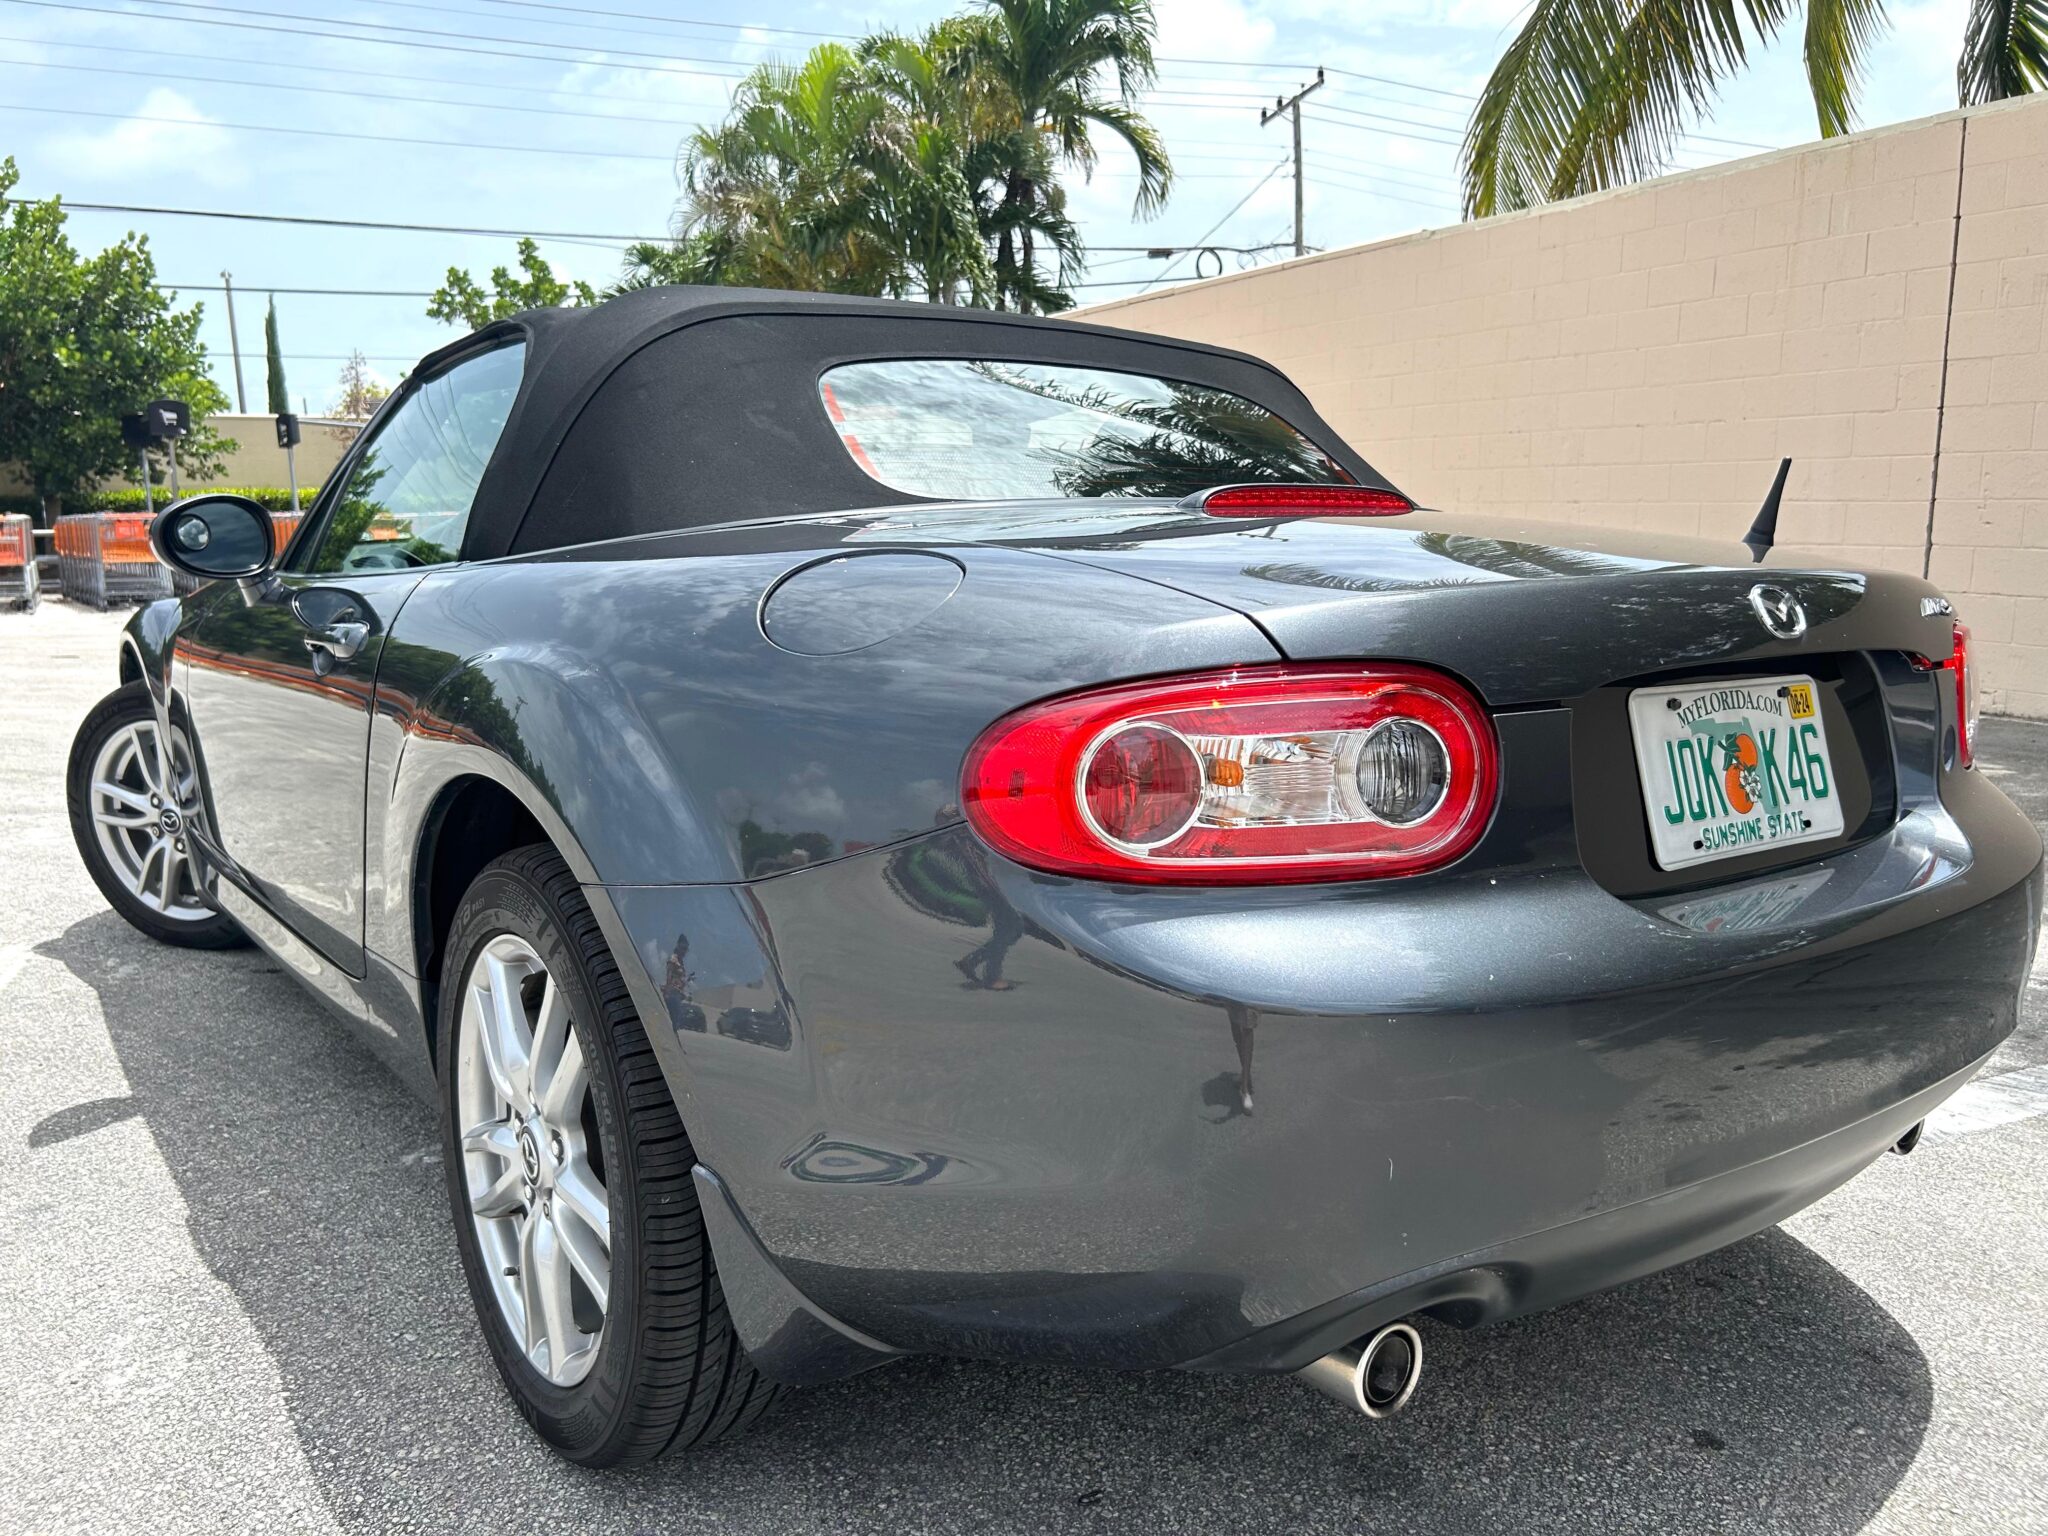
889,830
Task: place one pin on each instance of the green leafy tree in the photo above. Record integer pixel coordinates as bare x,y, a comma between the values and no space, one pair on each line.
1595,93
927,165
83,342
273,364
462,301
844,174
1041,65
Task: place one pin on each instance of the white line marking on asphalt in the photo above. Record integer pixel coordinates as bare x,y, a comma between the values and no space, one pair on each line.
12,958
1992,1101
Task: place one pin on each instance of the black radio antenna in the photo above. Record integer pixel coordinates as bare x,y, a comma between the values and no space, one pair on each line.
1763,533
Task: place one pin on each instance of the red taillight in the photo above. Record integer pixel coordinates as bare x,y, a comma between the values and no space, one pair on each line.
1255,776
1958,668
1966,698
1299,501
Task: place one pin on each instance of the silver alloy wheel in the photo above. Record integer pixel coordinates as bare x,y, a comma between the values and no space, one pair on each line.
531,1161
141,803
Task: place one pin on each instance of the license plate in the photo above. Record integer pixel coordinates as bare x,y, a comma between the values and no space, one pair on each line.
1730,768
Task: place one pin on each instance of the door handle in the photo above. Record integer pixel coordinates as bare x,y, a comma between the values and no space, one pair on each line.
336,643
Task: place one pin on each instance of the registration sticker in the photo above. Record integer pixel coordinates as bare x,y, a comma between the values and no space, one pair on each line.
1730,768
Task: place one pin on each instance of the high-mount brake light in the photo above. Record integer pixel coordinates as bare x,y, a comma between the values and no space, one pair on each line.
1268,500
1254,776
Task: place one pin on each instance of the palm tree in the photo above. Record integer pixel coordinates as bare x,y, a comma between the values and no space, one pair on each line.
1594,93
1039,63
843,175
787,192
933,211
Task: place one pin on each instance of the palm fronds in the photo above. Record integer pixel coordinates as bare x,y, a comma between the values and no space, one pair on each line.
2005,51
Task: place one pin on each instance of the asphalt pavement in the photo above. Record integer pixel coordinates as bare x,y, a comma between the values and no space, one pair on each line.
231,1302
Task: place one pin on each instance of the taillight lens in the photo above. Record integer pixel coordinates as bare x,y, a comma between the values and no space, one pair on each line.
1966,698
1299,501
1252,776
1963,675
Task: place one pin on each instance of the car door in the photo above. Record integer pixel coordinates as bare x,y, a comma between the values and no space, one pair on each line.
279,685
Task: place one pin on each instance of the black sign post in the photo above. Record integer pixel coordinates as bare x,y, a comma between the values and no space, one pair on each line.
135,433
288,439
170,420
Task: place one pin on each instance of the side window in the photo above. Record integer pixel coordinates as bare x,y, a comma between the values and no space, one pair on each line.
407,498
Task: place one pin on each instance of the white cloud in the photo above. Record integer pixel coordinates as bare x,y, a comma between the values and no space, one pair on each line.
180,140
1213,29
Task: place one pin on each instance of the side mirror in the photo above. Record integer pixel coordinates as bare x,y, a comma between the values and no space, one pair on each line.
216,538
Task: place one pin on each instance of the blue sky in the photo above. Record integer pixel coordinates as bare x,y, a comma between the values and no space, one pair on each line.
162,104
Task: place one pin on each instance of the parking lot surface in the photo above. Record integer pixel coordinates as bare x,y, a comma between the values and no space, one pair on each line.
232,1302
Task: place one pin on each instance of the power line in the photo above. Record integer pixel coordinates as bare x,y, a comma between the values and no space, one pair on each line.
319,69
188,78
338,133
325,293
295,218
385,42
1375,117
674,21
1278,167
733,65
528,21
298,89
658,62
1327,178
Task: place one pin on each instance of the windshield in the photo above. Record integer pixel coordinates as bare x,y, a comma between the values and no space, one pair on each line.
963,430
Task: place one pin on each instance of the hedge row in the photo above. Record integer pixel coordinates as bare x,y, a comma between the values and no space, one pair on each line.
129,499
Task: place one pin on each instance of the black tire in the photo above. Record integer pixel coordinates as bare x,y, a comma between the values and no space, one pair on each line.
124,708
669,1372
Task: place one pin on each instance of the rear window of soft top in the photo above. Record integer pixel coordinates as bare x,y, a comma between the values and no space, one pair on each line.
975,430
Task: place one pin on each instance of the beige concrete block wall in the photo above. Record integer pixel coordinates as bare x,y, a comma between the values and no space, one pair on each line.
1643,358
255,459
1991,506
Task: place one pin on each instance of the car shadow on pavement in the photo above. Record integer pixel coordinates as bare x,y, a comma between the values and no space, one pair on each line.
1755,1389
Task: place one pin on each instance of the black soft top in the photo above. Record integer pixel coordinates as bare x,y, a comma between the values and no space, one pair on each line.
671,408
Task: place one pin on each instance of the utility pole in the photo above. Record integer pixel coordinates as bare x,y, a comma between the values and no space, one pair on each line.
227,280
1290,105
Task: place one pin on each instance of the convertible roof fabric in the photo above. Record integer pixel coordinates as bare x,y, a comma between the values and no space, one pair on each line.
672,408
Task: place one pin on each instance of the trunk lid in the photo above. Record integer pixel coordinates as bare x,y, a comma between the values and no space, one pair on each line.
1528,613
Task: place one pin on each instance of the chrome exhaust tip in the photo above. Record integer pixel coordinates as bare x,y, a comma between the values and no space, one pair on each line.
1377,1377
1910,1140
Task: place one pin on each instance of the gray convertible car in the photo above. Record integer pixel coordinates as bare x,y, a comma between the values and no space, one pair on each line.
888,829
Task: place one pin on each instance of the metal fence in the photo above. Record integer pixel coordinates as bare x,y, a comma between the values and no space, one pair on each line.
18,583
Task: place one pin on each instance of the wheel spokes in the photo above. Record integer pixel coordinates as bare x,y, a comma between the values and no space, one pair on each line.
505,1193
158,855
557,1068
583,1222
507,1044
541,1212
131,807
126,800
551,1330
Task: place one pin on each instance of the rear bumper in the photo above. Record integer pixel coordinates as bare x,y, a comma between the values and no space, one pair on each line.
1546,1269
955,1107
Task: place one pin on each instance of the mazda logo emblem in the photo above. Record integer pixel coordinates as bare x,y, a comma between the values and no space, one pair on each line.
1778,611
